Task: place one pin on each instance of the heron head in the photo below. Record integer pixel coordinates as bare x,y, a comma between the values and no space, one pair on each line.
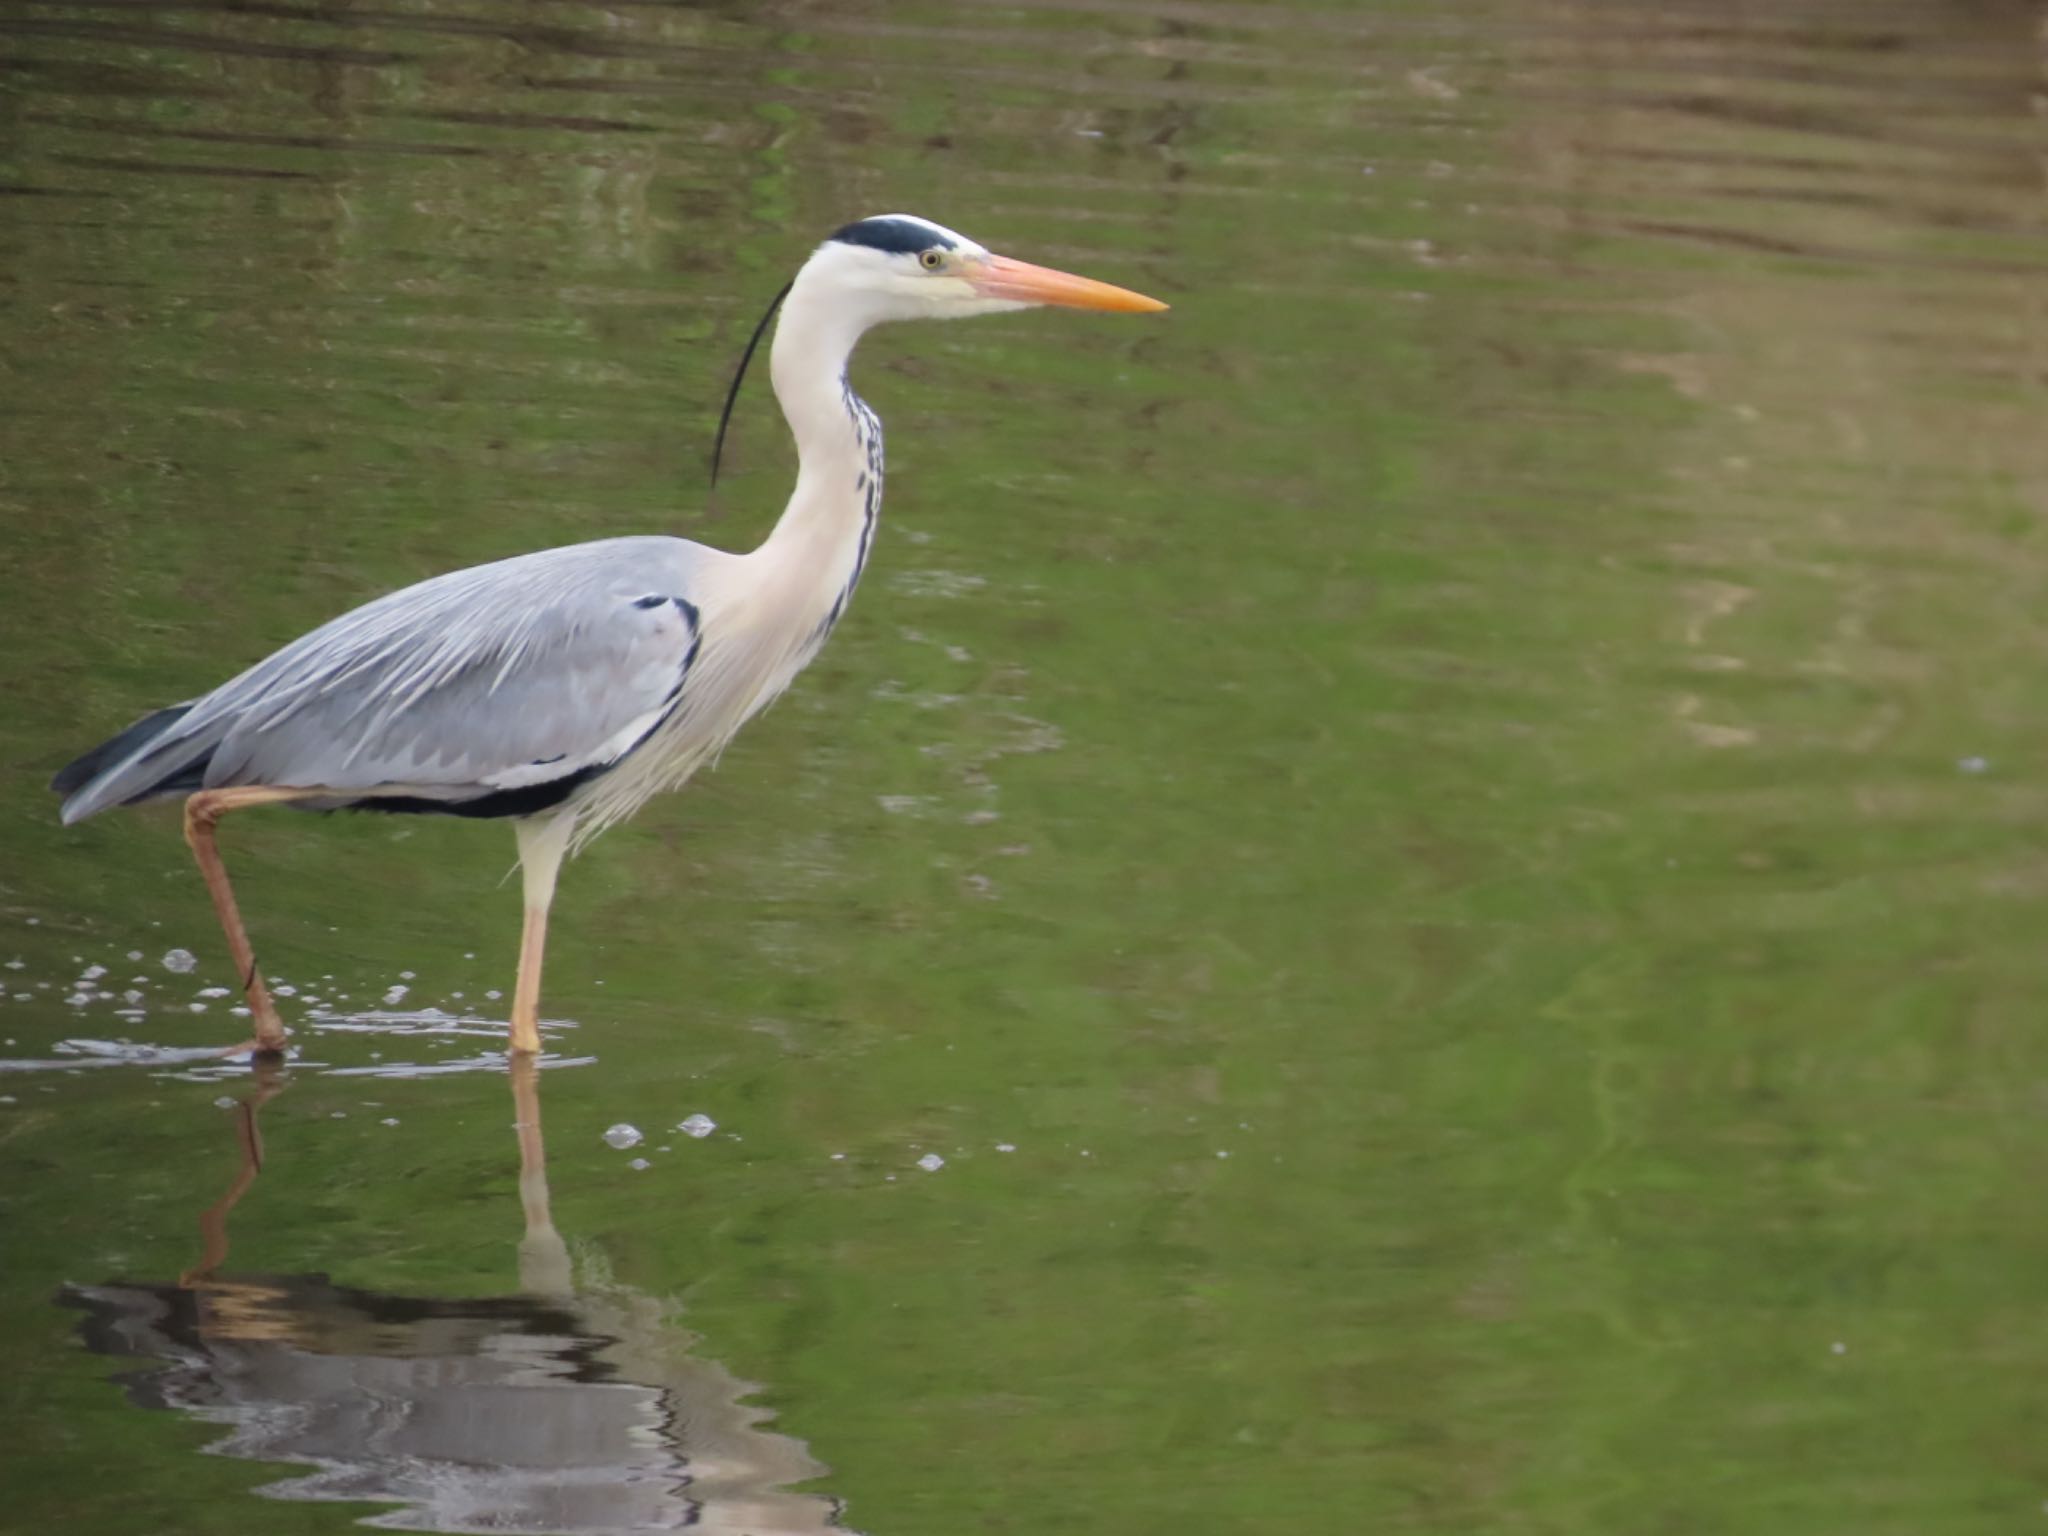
897,266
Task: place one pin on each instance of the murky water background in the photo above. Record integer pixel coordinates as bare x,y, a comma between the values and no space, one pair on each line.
1447,843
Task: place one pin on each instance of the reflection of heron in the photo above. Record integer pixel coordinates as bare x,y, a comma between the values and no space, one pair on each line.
566,1409
564,688
213,1221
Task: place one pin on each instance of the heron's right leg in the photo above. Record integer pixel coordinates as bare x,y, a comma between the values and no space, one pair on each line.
541,846
213,1221
203,812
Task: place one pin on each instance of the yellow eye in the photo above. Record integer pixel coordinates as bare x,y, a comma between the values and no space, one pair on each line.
931,261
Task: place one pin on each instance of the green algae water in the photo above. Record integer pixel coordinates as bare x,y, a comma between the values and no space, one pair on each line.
1411,899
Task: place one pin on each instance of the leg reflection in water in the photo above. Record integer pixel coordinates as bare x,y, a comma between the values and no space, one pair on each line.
573,1407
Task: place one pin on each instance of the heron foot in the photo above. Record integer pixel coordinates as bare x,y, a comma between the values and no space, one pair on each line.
260,1051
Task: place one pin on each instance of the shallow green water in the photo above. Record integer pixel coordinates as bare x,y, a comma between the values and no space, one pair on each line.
1469,802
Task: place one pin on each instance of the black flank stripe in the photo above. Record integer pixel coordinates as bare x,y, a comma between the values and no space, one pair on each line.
532,799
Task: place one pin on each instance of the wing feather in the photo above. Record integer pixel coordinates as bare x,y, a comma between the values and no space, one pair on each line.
497,676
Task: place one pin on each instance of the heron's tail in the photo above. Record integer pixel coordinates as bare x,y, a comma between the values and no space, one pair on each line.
135,765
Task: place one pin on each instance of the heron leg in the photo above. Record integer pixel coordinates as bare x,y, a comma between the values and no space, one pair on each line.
544,1268
541,846
213,1221
203,812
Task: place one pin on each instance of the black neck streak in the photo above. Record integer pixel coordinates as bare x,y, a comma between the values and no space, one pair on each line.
867,433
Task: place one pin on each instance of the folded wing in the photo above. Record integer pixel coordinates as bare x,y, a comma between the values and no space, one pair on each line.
507,677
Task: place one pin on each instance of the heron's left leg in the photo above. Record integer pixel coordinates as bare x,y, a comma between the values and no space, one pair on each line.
542,842
544,1268
203,812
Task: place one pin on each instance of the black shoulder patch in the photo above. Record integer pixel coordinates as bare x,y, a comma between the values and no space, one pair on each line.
899,237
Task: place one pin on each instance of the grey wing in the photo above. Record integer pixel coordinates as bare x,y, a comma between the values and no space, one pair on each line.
501,677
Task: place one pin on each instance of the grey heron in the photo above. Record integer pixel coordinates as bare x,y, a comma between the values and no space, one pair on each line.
564,688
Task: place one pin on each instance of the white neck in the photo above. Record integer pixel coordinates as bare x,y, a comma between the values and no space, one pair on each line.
833,501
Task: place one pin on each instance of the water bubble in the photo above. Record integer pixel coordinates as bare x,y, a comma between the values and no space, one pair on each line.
838,1157
698,1126
396,994
622,1136
389,1120
213,992
1006,1146
407,976
181,962
223,1102
197,1007
79,999
931,1162
92,973
134,954
1972,764
639,1164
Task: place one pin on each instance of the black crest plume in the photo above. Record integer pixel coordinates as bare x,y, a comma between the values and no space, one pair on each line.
732,395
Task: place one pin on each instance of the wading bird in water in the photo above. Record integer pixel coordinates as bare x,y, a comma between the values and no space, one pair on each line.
563,689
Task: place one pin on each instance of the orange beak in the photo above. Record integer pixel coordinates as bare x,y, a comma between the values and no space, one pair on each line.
998,277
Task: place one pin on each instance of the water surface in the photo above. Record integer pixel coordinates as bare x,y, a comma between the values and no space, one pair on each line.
1446,842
